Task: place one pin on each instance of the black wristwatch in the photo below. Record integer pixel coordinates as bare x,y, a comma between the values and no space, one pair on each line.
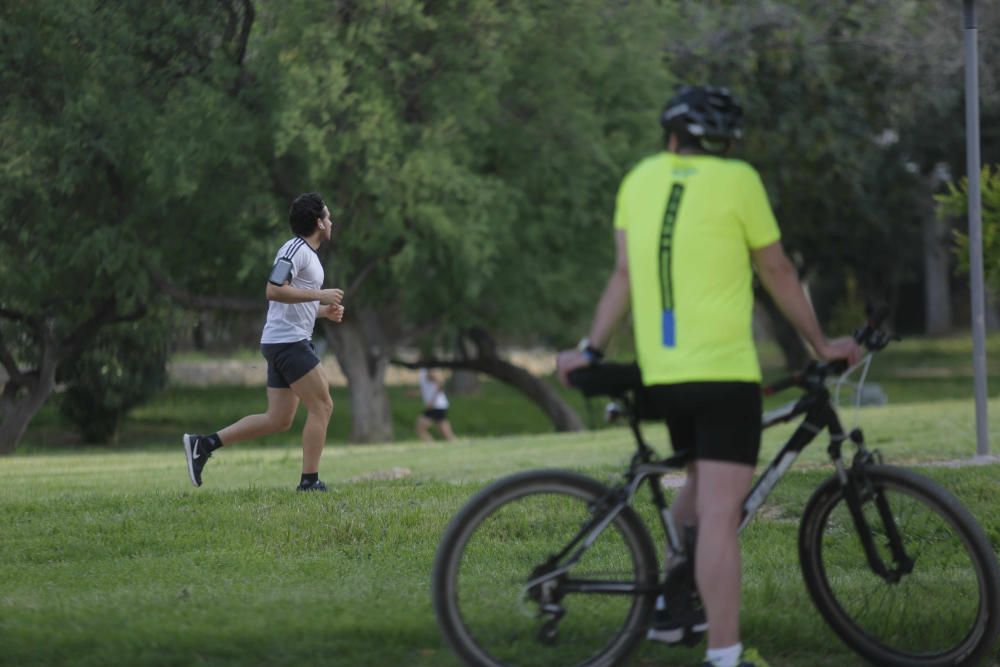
594,356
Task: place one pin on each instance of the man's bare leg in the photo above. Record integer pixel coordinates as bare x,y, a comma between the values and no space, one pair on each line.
281,406
445,427
722,487
423,428
313,389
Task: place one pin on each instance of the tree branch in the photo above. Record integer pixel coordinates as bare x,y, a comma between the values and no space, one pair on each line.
201,301
16,315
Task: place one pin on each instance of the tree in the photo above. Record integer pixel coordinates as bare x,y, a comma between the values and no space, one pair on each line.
955,204
843,100
118,165
123,367
461,144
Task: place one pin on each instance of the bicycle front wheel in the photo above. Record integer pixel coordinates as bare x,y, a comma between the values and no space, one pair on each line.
505,538
937,606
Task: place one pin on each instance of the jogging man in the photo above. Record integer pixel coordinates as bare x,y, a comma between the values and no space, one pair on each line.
294,373
690,227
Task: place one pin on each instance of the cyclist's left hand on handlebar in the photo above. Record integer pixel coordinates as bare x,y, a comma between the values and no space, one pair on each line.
841,348
569,360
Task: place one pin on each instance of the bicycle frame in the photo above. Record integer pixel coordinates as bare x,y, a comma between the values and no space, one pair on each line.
820,415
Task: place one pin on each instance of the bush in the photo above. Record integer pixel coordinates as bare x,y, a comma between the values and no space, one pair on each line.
124,367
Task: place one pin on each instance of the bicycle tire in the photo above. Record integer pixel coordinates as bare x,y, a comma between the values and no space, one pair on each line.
488,552
956,620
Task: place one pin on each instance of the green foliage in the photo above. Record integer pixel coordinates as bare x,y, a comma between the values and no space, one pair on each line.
465,146
469,149
123,368
130,153
822,83
955,204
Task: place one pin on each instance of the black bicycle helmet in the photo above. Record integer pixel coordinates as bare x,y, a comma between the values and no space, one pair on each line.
707,113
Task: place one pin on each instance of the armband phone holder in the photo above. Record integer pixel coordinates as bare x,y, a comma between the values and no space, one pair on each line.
280,272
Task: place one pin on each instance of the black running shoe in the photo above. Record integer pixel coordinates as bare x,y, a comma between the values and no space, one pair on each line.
677,626
679,616
318,485
197,456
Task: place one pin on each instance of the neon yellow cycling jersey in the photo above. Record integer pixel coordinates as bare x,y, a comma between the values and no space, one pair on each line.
690,223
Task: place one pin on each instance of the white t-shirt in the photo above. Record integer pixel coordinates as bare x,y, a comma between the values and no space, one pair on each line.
292,322
434,397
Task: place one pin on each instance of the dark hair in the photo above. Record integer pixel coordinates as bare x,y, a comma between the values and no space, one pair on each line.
305,211
707,118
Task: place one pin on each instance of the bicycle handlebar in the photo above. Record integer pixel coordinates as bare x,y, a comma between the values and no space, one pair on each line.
614,379
871,336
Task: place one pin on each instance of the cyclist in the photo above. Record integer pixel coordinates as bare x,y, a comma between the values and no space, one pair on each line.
690,227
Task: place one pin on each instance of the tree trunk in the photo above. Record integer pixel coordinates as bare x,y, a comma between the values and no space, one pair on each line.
937,292
363,361
17,413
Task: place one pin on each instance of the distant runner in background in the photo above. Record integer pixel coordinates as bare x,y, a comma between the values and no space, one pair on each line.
435,407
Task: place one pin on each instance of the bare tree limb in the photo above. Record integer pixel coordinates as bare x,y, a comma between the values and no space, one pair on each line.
17,316
202,301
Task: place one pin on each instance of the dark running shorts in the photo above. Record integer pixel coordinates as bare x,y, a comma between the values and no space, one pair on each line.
436,414
288,362
719,420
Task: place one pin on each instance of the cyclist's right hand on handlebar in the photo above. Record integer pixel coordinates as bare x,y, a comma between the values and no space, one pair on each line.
841,348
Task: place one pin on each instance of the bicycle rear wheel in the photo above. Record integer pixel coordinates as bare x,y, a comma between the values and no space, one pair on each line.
943,611
504,537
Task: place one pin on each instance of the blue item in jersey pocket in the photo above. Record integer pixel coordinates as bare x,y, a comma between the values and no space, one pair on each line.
669,333
280,272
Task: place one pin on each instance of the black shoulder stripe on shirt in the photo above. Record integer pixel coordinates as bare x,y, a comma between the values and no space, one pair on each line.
294,248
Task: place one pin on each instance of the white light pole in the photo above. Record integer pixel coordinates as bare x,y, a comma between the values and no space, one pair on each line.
973,167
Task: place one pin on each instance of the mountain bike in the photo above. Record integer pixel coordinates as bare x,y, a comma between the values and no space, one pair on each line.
553,568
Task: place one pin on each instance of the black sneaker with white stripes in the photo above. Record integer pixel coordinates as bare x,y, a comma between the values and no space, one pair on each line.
197,456
318,485
680,615
676,626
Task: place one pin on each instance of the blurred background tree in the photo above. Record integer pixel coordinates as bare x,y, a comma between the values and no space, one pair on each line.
955,205
470,152
124,366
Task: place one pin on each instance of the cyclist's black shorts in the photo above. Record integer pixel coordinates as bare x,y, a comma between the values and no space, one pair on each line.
288,362
719,420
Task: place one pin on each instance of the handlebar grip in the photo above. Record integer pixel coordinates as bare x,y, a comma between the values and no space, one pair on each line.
606,379
837,366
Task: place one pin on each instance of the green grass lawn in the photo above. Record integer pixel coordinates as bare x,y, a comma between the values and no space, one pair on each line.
111,557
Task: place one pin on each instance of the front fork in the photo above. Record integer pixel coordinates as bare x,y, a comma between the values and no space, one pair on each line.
858,490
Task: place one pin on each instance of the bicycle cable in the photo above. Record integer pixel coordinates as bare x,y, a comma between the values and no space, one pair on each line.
858,386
